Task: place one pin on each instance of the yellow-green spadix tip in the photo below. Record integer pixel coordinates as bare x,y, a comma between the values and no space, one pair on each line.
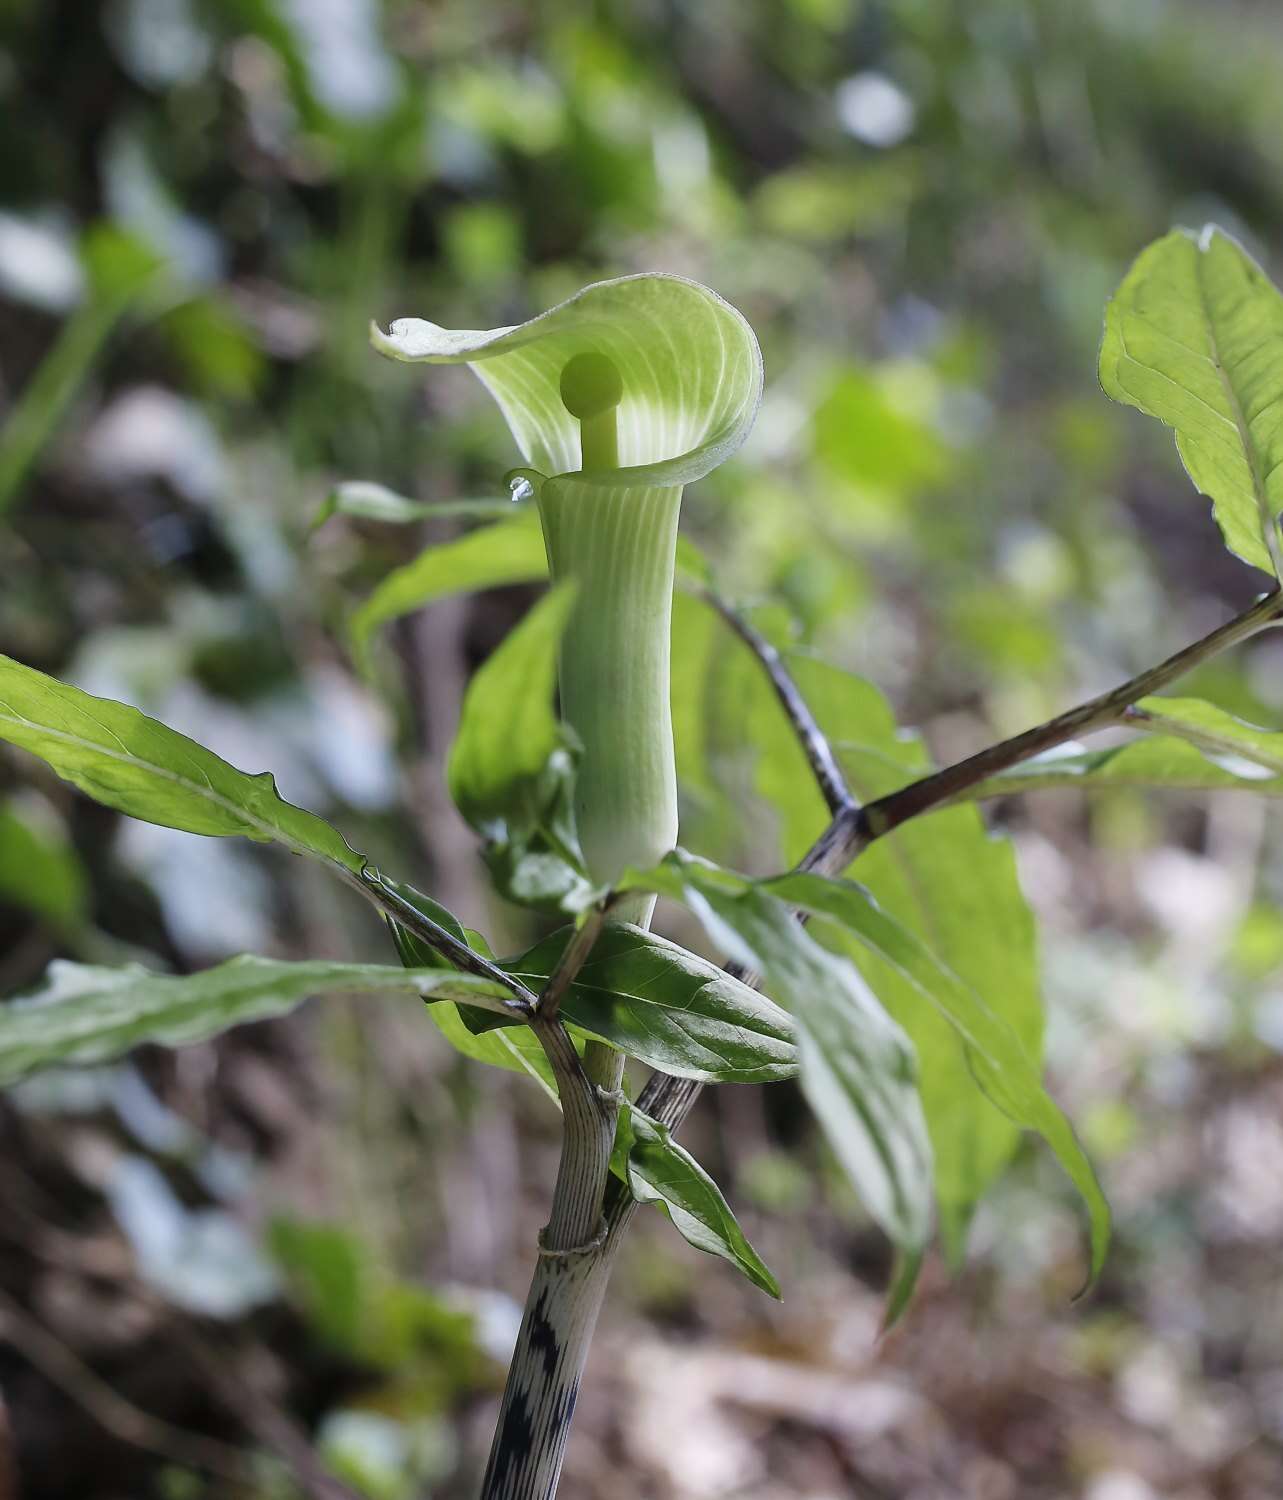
590,385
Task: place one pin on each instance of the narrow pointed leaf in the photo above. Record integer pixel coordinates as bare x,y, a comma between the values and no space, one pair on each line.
668,1007
658,1170
135,764
1194,337
84,1014
510,551
363,500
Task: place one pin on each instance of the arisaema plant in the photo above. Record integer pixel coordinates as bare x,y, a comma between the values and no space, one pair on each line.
891,967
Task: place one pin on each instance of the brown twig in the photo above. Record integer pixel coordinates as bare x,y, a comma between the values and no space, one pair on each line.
828,774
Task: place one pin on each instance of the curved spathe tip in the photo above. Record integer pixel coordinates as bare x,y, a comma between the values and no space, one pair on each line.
689,362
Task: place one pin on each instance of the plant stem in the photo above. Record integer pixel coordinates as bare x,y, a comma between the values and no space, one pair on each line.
570,1276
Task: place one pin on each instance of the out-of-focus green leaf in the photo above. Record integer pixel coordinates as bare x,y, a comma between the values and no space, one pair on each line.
863,436
657,1170
119,270
1194,337
998,1060
857,1066
85,1014
363,500
510,551
124,759
946,879
39,870
668,1007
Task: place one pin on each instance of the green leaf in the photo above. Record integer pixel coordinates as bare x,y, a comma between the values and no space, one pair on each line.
39,870
507,727
363,500
944,878
689,365
857,1066
1242,749
138,766
657,1170
668,1007
510,551
1188,746
998,1059
512,767
1194,337
84,1014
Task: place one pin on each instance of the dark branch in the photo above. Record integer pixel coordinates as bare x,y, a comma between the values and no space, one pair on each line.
445,943
828,774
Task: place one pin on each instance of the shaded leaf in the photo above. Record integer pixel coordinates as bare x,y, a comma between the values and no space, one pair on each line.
124,759
857,1066
84,1014
658,1170
39,870
1194,337
997,1058
467,1027
507,727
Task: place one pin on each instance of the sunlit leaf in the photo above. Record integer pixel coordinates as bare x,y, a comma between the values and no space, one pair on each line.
510,551
124,759
84,1014
1194,336
658,1170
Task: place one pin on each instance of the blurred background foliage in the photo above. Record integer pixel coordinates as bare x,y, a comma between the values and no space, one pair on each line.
305,1243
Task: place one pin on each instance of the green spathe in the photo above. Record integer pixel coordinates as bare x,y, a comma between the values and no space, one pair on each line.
617,398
